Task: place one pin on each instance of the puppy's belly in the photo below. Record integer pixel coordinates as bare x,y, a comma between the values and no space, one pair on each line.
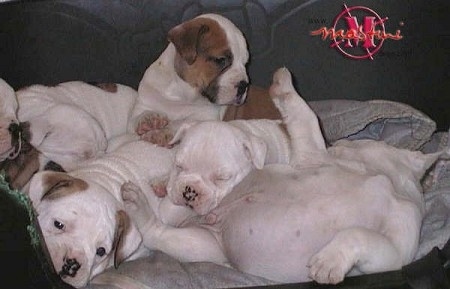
286,218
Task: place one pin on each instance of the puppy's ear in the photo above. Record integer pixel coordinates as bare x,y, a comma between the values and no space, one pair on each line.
256,150
127,238
52,185
186,38
179,134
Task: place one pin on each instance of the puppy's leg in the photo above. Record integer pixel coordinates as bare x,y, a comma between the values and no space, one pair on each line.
301,122
187,244
358,248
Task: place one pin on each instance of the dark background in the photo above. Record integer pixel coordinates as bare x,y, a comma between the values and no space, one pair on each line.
110,40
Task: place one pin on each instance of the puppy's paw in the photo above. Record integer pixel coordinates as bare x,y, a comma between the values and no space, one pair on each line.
151,121
329,266
160,137
130,193
282,89
136,204
160,187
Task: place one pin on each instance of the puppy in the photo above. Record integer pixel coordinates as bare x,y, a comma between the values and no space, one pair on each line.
199,74
354,208
83,216
74,121
10,134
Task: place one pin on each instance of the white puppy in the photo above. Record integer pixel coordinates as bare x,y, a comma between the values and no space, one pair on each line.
74,121
200,72
10,139
354,208
83,220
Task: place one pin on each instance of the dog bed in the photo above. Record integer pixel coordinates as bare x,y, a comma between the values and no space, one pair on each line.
53,41
398,124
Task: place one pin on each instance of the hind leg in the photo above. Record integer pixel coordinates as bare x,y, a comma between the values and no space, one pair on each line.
301,122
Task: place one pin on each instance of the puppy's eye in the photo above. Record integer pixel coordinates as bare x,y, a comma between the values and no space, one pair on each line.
221,62
58,225
222,177
101,251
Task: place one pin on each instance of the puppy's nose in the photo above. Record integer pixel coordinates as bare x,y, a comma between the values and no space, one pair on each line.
189,194
242,87
14,128
70,268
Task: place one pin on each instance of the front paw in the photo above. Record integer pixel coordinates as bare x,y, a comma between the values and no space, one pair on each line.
329,266
135,203
160,137
160,187
151,121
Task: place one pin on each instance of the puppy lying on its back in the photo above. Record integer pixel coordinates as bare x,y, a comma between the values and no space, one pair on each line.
354,208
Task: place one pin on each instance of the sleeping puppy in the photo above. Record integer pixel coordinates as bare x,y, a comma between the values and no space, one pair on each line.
83,220
18,158
10,135
74,121
354,208
199,74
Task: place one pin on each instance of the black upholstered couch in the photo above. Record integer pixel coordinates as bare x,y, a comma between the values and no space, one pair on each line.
52,41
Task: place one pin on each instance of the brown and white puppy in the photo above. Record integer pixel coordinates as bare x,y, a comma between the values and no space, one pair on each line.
198,75
83,220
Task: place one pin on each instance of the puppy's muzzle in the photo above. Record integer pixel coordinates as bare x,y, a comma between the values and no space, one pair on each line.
70,268
241,90
16,131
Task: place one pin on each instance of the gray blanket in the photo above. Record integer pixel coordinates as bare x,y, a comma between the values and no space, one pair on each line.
398,124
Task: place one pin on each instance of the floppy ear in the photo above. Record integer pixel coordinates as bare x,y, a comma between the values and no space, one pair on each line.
256,150
47,185
186,38
179,134
127,238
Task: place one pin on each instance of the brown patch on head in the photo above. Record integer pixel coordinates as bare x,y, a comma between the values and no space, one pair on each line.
57,185
203,53
108,87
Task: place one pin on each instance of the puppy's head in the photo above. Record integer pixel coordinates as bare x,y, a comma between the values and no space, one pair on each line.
85,228
10,130
211,57
212,157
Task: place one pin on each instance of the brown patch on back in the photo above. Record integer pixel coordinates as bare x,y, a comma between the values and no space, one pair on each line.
108,87
57,185
200,42
258,105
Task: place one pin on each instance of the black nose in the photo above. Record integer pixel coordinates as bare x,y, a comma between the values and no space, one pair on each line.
189,194
14,128
70,268
242,87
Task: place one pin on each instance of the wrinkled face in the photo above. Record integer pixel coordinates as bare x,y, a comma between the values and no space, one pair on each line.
9,125
211,159
212,54
84,227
